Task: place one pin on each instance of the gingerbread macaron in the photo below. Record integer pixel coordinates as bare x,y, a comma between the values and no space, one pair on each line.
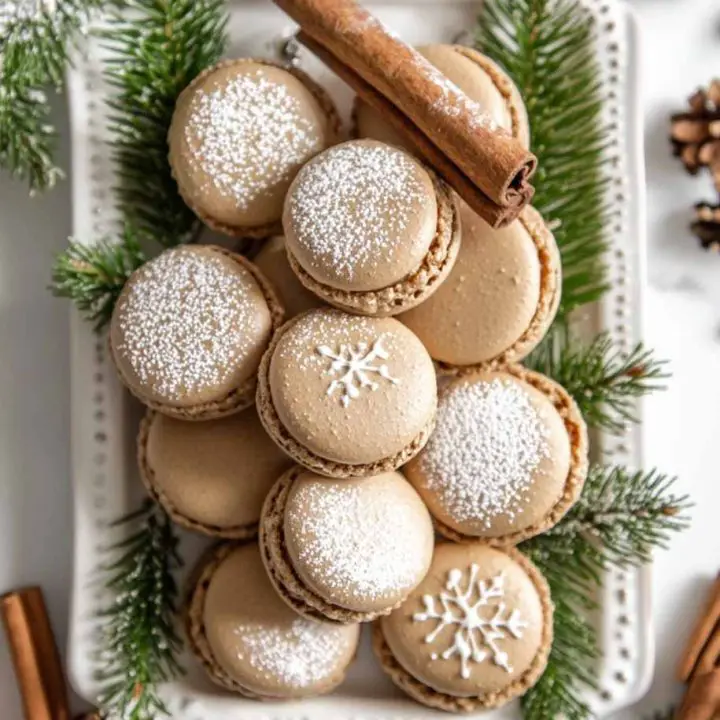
508,459
500,297
346,395
273,263
474,634
239,134
479,77
211,477
346,550
369,229
250,642
189,330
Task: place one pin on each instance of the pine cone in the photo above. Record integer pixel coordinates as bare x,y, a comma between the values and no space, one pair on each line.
707,225
695,135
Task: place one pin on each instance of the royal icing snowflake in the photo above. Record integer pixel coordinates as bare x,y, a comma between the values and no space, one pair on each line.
477,632
356,364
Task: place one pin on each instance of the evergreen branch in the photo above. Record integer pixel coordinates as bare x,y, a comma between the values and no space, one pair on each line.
620,518
157,48
604,382
93,276
34,51
547,48
141,641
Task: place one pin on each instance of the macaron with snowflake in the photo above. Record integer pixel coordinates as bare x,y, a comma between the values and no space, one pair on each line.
250,642
189,330
508,458
273,263
481,79
499,299
347,550
475,634
239,134
346,395
369,229
211,477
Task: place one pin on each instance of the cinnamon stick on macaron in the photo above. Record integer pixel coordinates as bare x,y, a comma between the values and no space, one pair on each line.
487,166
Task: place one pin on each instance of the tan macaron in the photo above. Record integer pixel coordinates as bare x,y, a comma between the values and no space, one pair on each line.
189,330
499,299
481,79
273,263
508,458
239,134
345,550
475,634
369,229
211,477
250,642
345,395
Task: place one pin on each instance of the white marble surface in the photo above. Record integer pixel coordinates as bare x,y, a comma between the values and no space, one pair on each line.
681,50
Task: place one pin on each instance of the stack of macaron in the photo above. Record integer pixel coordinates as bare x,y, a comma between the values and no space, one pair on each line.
345,412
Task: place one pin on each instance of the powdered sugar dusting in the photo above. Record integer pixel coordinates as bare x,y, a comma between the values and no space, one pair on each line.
14,12
188,322
299,656
350,207
360,539
453,101
483,458
250,136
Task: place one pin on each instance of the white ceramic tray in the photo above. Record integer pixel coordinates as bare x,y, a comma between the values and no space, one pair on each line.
105,420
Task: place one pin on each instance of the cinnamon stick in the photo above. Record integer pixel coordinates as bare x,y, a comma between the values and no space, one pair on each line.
702,700
495,215
437,115
707,625
35,655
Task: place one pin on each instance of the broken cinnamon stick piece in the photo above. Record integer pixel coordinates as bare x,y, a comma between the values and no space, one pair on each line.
35,655
485,156
702,699
707,624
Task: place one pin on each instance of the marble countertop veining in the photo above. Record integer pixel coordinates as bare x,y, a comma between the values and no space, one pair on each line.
681,50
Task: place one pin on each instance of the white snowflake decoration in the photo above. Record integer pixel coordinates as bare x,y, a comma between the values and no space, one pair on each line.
357,364
476,636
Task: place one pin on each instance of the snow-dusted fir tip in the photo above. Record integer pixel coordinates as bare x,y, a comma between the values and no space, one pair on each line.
356,364
479,617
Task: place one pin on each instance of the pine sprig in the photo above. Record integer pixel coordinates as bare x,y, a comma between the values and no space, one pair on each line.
139,626
546,46
620,519
157,47
604,382
34,52
93,276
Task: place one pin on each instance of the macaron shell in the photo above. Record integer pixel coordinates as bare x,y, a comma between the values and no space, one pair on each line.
260,643
157,334
361,544
348,422
273,263
212,476
481,79
489,299
471,490
247,191
361,216
416,647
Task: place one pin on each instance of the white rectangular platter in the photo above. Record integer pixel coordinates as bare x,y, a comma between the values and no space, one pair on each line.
105,419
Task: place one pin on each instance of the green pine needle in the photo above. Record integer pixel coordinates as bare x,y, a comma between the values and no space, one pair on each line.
34,53
141,641
604,382
546,46
620,519
93,276
157,48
